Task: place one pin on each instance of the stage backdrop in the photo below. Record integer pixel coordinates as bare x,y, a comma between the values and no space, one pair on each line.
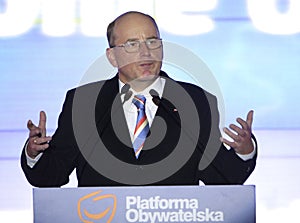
251,47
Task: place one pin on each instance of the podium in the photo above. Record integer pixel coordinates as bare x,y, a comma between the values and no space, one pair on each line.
153,204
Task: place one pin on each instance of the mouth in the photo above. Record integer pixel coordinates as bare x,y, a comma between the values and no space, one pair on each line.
146,67
146,64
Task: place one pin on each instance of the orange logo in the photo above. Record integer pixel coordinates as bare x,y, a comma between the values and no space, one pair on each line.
88,200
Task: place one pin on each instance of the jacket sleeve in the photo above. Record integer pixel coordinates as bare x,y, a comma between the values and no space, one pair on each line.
223,166
59,160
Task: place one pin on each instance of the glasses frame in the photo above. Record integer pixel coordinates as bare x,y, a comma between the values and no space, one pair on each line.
147,42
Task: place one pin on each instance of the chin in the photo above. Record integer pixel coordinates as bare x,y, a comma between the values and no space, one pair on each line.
147,77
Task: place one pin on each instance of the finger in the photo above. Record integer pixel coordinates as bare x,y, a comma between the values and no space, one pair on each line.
232,135
41,140
249,119
37,144
33,130
30,125
237,129
33,149
227,142
42,123
243,123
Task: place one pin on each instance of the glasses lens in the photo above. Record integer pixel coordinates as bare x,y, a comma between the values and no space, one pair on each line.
153,43
132,46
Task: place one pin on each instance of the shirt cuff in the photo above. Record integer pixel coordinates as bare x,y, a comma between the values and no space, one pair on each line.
30,161
248,156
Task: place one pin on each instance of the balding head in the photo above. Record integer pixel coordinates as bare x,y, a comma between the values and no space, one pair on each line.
129,17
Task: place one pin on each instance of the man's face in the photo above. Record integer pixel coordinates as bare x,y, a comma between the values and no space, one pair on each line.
143,65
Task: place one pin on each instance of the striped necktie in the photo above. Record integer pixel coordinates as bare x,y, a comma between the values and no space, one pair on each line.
142,126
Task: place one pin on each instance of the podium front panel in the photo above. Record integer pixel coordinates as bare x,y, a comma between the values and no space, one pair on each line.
230,204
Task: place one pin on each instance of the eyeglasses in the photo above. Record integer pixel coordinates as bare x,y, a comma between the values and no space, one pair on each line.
134,46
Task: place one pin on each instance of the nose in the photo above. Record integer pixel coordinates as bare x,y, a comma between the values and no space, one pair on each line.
144,50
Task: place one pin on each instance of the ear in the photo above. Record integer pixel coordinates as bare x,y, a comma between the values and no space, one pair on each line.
110,54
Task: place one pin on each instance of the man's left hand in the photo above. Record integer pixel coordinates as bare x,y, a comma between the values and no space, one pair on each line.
241,136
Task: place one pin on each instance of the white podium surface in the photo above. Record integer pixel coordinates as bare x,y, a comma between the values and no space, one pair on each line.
230,204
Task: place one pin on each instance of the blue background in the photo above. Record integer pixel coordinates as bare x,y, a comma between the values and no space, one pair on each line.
254,69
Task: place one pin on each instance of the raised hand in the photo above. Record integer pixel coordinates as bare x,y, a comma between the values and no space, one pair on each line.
241,136
38,141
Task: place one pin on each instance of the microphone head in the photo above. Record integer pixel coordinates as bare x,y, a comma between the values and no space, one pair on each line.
155,96
153,93
127,96
125,89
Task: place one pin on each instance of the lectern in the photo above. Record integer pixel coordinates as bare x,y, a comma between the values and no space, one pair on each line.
151,204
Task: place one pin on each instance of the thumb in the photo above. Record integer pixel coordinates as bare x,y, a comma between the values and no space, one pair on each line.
30,125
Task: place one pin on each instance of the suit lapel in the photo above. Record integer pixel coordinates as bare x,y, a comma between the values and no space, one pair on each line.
164,131
113,128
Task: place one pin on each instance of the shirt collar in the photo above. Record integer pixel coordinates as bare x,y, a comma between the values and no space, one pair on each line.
157,85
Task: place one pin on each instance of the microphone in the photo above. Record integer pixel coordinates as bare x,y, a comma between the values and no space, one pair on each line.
155,97
125,90
166,104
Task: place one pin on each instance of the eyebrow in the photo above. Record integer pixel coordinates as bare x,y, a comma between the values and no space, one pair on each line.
136,39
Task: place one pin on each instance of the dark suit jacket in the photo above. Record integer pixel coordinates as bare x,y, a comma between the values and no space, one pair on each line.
92,127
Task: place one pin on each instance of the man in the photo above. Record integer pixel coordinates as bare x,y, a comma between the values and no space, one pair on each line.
169,152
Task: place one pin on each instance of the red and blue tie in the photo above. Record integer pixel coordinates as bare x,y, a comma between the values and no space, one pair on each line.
142,126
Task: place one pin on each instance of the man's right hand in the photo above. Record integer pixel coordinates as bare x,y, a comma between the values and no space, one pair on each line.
38,141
